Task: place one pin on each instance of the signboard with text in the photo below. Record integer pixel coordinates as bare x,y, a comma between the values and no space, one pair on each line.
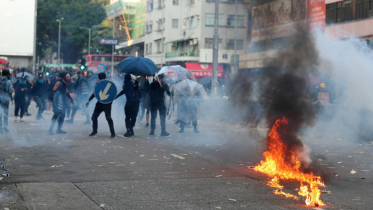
316,12
108,41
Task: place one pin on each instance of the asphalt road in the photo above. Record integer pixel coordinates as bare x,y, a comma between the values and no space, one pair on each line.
209,170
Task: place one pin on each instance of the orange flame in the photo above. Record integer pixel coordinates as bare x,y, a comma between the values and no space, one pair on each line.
277,165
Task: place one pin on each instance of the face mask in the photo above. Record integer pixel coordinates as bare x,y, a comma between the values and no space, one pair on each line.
41,81
22,82
67,79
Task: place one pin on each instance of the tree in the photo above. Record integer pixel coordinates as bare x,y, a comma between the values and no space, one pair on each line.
76,13
105,30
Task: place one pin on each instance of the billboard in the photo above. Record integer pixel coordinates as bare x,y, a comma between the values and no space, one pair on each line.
276,19
316,13
17,27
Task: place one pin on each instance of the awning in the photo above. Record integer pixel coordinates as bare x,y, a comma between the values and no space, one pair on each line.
203,69
3,61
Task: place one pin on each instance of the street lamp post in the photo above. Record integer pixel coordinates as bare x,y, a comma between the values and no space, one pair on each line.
59,41
89,39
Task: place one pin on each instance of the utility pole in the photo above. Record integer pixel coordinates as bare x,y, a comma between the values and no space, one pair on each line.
59,41
162,40
112,49
235,41
215,52
35,22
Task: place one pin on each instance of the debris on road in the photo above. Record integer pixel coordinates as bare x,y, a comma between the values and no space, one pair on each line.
353,171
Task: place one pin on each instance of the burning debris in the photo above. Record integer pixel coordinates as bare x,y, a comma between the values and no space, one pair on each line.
281,163
287,111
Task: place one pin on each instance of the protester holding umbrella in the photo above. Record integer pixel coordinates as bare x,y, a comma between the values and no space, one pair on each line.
131,109
157,104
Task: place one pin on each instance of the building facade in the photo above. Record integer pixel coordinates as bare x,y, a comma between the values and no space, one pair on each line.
179,32
349,18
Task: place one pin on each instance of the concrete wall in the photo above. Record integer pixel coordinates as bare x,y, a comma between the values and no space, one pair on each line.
18,61
360,28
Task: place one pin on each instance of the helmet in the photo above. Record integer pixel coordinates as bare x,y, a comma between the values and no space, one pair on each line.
322,85
62,74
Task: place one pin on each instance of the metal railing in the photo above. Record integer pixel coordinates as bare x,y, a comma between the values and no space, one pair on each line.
182,53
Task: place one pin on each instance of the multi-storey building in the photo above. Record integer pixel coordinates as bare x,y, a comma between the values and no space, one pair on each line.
349,18
179,32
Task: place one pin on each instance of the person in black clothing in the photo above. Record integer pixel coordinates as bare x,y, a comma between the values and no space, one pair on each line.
20,88
100,107
82,90
28,96
39,92
61,93
131,109
156,93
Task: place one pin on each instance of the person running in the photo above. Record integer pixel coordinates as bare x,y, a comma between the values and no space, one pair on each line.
157,104
99,108
5,91
131,109
20,88
39,92
82,90
61,93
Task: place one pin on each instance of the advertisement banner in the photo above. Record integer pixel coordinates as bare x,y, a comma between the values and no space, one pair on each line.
316,12
277,19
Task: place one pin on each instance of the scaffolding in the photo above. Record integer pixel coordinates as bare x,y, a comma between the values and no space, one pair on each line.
129,19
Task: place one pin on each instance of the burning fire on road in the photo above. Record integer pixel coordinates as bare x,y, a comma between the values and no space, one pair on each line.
282,164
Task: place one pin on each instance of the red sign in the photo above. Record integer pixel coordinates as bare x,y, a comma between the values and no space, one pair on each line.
203,69
316,11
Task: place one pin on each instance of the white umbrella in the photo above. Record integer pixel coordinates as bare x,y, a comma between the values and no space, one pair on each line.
30,76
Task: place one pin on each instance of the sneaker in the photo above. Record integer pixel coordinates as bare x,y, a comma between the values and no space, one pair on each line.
147,125
21,120
6,130
51,132
28,114
93,133
112,135
71,121
151,132
196,130
15,119
59,131
164,133
181,130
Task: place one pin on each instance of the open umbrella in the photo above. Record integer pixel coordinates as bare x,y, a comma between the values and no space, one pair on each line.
186,88
178,72
138,66
3,61
30,76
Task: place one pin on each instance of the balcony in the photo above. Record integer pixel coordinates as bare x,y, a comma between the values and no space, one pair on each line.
182,53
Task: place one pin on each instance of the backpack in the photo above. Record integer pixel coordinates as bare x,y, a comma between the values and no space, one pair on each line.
3,86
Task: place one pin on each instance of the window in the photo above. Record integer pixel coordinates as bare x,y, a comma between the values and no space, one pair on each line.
175,23
191,2
209,43
160,24
159,46
149,5
175,2
348,10
192,22
160,4
149,27
230,44
147,49
240,20
210,18
150,48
